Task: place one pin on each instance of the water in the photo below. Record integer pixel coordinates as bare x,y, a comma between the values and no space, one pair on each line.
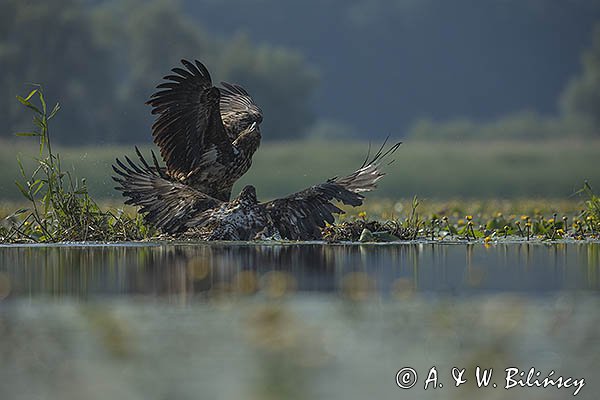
247,321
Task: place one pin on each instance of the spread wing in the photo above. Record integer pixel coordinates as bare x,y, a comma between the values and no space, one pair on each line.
189,130
166,204
302,215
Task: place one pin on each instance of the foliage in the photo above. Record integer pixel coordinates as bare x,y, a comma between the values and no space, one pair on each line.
362,229
591,215
281,81
386,63
522,126
581,98
74,65
105,60
487,225
579,101
61,208
383,65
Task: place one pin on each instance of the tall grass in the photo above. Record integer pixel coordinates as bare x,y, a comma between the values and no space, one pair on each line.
59,205
591,214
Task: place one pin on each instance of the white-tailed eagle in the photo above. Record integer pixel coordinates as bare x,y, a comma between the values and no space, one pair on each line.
206,135
174,207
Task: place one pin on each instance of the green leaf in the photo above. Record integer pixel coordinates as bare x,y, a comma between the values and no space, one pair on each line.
28,104
54,111
23,191
40,185
479,234
46,200
538,228
21,169
43,101
30,95
40,122
23,101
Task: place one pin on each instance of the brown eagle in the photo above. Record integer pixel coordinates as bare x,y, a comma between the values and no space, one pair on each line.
206,135
175,208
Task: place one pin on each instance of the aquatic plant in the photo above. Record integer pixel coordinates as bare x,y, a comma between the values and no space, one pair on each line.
60,207
484,222
591,215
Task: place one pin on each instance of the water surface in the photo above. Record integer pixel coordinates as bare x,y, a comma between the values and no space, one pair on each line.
260,321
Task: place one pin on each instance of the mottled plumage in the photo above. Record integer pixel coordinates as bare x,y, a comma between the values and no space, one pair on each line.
164,202
238,110
206,135
177,208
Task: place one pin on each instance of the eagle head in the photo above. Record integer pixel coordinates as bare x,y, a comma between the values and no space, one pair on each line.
257,117
250,120
248,195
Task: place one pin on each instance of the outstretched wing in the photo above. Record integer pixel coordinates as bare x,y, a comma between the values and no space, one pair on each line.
189,130
238,110
302,215
166,204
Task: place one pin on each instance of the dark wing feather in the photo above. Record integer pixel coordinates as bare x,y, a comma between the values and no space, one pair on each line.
302,215
166,204
236,98
237,105
189,129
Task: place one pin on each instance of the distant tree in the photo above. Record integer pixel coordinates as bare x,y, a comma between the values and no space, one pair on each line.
152,36
102,60
525,125
278,79
580,100
147,39
384,63
49,42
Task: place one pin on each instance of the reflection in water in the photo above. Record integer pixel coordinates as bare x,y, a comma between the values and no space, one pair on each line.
92,323
353,270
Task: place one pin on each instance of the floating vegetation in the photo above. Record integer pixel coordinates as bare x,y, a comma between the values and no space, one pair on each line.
60,209
485,227
592,211
59,206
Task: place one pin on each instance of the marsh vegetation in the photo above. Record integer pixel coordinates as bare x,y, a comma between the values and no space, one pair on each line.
60,207
481,246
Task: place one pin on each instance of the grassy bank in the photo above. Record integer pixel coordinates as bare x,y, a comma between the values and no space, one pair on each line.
57,184
506,170
487,220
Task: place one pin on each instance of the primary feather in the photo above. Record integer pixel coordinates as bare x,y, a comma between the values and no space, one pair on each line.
299,216
206,135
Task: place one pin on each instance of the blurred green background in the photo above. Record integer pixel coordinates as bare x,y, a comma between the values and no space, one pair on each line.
433,169
493,98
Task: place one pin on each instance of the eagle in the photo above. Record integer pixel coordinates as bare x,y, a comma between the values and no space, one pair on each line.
177,208
206,135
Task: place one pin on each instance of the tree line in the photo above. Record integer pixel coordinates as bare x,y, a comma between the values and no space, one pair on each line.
428,69
102,62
